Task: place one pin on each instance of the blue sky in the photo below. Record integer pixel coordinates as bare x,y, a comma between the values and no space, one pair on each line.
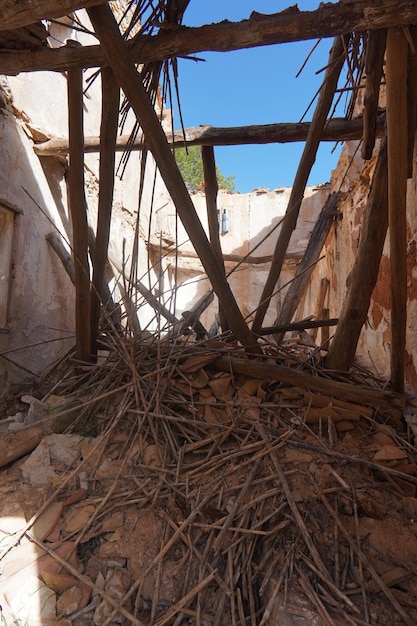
254,86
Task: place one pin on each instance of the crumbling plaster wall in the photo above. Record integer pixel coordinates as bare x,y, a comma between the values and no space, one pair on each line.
353,178
40,309
251,228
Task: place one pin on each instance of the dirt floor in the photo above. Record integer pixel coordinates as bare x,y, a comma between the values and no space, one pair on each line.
195,486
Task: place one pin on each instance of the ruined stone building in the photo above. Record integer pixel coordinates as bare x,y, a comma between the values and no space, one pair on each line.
174,338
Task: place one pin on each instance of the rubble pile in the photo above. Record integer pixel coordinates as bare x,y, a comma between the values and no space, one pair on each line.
189,489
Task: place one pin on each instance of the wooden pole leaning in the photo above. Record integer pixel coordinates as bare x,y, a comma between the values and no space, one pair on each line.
129,80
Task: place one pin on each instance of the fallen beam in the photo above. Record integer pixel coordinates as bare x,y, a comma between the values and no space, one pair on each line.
329,20
363,276
308,157
336,129
305,268
348,392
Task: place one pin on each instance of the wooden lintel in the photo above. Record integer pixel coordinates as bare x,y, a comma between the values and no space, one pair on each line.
336,129
18,13
130,81
328,20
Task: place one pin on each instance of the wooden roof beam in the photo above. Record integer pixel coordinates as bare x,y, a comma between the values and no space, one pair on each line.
336,129
18,13
329,20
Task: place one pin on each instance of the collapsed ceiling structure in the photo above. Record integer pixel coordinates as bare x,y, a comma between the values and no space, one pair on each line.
386,31
227,451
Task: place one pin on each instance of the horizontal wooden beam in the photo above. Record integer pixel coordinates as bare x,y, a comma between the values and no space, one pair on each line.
337,129
329,20
18,13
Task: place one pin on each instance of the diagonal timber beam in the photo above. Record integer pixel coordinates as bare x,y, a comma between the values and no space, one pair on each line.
364,273
308,157
129,80
329,20
18,13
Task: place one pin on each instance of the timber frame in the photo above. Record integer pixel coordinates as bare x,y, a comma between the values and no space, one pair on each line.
387,27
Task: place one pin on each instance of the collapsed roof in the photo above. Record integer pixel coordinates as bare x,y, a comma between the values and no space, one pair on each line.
385,33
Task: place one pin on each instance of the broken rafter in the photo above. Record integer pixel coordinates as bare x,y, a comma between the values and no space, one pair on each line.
349,392
337,129
329,20
327,91
364,273
129,80
299,284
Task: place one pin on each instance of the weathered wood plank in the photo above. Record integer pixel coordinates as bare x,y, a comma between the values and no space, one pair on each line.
328,20
130,81
305,268
396,72
364,273
18,13
335,64
79,214
374,61
108,132
337,129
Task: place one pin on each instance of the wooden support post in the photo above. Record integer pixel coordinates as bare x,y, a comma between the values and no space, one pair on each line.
374,61
396,70
298,286
211,189
108,132
319,308
129,80
364,273
336,60
67,261
412,99
78,208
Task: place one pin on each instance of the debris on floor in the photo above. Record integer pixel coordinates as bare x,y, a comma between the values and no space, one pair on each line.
200,485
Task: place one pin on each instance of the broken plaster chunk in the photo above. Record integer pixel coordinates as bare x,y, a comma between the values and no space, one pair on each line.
37,469
117,584
36,410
